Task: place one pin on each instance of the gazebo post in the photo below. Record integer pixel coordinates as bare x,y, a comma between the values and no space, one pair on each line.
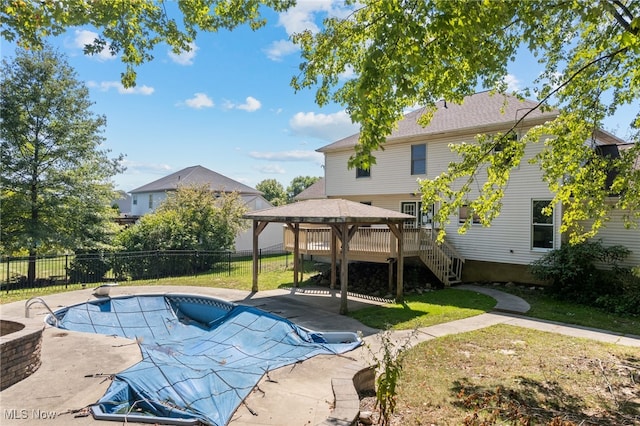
397,231
296,252
334,260
344,270
254,285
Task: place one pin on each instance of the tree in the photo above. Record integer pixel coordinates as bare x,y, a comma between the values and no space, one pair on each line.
415,52
56,187
299,184
130,28
191,218
407,53
273,191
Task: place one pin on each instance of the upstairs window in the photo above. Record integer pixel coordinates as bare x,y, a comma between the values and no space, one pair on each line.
541,226
419,159
362,173
500,146
135,200
150,201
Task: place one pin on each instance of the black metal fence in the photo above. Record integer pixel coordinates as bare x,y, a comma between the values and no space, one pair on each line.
97,267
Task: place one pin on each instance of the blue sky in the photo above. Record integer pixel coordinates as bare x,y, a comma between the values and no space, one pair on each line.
227,105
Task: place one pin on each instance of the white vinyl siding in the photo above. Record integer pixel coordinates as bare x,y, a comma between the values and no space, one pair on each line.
147,202
390,175
615,233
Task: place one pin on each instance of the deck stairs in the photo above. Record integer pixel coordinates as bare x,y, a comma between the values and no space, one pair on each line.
441,258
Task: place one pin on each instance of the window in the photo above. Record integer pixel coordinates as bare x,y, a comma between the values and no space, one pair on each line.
414,208
503,142
463,215
419,159
362,173
150,201
135,200
541,226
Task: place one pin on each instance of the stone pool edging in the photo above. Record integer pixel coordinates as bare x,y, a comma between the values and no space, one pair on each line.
20,349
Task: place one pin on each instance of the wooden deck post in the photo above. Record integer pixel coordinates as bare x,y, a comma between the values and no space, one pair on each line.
258,227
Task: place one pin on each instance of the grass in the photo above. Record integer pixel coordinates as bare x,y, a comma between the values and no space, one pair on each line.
509,375
545,307
434,307
268,280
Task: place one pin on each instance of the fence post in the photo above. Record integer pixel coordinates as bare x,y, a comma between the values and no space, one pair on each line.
157,263
260,260
66,270
8,273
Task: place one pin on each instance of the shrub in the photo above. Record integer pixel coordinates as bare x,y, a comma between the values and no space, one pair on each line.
574,275
88,267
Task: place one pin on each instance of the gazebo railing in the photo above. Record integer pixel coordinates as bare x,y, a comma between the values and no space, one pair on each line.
367,240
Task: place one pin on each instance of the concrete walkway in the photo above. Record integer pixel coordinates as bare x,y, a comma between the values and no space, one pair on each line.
76,366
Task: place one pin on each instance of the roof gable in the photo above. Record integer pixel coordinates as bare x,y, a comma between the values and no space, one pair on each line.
477,111
314,191
196,175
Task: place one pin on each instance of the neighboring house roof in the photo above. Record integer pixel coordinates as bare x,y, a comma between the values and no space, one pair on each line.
481,110
314,191
196,175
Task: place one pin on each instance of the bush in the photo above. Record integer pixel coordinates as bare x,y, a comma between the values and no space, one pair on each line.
574,276
88,267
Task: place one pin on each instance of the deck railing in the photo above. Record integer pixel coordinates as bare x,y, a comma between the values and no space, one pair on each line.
441,258
367,240
376,243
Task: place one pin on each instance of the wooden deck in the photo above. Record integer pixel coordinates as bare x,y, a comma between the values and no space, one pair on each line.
378,244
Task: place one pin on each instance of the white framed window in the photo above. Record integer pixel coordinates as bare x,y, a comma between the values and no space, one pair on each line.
134,199
463,214
414,208
419,159
542,226
150,201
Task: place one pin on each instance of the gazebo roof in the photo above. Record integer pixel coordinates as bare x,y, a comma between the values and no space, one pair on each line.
327,211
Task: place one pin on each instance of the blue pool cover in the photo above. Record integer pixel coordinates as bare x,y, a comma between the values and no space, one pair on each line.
201,357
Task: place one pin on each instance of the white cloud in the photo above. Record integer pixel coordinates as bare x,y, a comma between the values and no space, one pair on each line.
199,101
295,155
280,48
185,57
271,169
328,127
105,86
513,84
300,18
85,37
138,167
250,104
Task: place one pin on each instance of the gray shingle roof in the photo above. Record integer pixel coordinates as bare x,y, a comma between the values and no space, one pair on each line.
312,192
480,110
333,210
196,175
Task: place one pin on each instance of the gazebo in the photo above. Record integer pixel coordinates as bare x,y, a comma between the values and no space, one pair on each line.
344,217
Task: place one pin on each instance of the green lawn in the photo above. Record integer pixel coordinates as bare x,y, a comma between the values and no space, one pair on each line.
430,308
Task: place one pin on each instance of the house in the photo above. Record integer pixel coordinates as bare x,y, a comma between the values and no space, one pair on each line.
515,238
147,198
313,192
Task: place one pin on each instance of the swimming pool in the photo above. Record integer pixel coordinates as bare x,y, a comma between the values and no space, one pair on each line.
201,356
